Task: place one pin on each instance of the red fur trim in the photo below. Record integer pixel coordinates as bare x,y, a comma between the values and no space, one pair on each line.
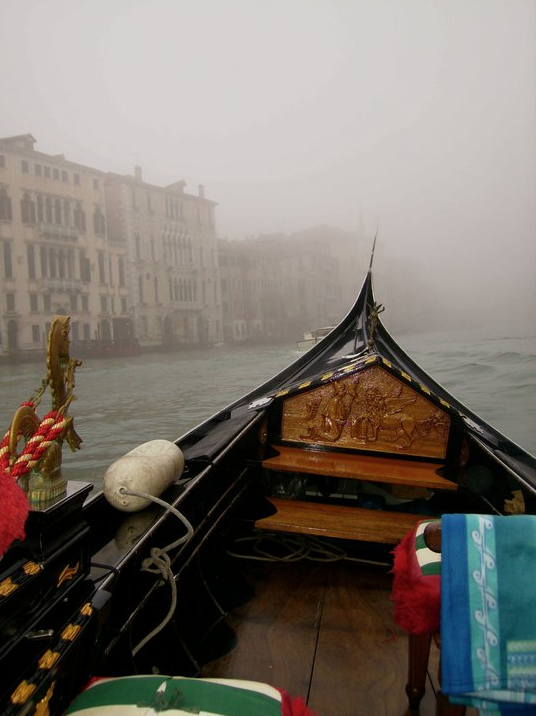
14,508
294,707
416,597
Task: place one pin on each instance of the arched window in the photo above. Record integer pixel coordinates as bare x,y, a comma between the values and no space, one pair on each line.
61,263
79,217
121,270
8,262
27,209
30,252
99,224
5,206
57,212
40,208
66,212
48,210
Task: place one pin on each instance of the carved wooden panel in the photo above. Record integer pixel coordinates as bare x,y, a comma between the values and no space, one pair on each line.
371,410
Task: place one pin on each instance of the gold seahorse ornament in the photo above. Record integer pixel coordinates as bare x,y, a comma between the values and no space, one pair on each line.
38,466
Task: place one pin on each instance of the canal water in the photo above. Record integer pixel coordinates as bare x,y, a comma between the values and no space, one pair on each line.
122,402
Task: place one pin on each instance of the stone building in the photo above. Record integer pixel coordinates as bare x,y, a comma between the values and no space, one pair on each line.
252,293
54,254
169,241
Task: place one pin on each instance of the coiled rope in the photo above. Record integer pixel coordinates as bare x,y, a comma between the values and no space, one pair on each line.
50,429
160,562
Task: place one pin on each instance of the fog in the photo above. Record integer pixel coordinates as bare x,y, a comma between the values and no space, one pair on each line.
413,118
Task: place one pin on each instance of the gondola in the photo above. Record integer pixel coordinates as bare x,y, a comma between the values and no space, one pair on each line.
334,459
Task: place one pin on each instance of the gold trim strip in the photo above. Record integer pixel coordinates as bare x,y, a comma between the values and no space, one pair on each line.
7,587
71,632
48,659
22,693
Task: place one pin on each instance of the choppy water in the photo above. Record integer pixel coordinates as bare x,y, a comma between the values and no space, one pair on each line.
124,402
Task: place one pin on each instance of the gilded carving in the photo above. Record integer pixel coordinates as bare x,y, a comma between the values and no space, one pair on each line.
31,568
38,466
22,693
67,573
371,410
48,659
71,632
7,587
516,505
42,708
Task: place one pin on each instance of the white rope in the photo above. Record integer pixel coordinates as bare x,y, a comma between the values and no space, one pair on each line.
298,547
160,563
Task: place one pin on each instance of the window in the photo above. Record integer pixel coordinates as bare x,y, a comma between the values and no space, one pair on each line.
95,184
76,179
2,160
102,276
85,269
57,211
5,206
79,218
73,302
27,209
36,334
38,169
85,302
99,224
47,171
30,253
104,303
33,303
56,174
123,305
40,209
25,166
64,176
8,263
121,270
44,261
10,301
87,331
47,302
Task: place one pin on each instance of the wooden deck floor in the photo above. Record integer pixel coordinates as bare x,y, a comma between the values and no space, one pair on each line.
324,631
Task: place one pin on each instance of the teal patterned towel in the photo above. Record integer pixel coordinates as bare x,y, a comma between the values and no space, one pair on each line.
488,612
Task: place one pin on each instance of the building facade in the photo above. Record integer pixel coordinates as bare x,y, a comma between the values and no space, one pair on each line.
136,263
54,253
168,238
128,261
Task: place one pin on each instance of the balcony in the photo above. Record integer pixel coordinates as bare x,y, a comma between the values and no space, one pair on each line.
56,232
49,283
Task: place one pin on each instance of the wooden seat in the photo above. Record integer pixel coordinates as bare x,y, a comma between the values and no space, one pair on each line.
328,520
356,466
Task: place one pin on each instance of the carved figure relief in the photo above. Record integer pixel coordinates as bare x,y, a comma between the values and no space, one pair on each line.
371,410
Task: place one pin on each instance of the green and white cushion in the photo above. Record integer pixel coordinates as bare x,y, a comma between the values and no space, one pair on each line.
177,696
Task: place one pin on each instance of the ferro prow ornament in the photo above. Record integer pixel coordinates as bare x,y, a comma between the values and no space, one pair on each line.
38,466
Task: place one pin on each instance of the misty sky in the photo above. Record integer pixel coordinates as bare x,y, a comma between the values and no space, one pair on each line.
415,115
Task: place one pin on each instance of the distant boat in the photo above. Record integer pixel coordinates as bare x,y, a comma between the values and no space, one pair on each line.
311,338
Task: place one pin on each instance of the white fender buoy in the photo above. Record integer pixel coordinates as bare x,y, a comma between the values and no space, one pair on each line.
148,468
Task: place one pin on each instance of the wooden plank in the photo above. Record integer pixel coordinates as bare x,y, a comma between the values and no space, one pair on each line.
361,653
326,520
359,467
358,665
277,630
